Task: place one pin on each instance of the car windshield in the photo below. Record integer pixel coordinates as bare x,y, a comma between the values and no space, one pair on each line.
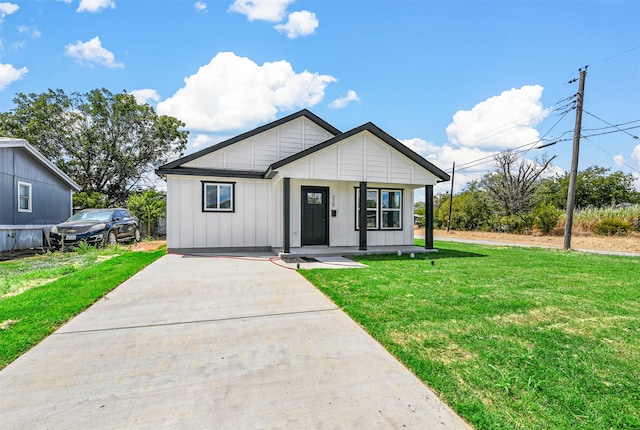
91,216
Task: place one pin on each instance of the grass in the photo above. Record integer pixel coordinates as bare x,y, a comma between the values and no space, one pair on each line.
586,219
511,338
67,283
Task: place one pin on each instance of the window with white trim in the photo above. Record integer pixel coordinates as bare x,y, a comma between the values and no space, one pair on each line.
384,209
218,196
24,197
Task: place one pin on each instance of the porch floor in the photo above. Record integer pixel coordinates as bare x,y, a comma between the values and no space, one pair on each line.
331,251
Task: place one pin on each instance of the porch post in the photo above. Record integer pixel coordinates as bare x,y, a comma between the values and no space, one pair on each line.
286,212
362,219
428,217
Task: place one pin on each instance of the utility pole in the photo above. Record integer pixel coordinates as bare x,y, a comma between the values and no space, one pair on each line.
573,175
453,175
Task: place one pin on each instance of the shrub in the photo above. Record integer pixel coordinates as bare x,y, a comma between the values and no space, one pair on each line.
612,227
546,218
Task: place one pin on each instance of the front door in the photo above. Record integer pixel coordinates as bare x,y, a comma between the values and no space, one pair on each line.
315,216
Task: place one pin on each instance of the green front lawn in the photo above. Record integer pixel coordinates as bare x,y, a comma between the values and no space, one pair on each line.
511,338
40,294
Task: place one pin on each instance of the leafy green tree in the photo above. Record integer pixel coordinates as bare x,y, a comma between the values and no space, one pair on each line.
595,187
149,206
90,199
106,142
469,211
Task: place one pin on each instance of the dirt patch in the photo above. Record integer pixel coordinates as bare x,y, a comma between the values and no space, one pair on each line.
21,253
146,245
578,241
7,323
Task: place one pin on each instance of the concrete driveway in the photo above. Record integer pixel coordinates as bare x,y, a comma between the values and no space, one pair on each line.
215,343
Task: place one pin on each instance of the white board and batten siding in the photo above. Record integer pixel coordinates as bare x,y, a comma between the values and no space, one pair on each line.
260,151
250,225
362,157
342,227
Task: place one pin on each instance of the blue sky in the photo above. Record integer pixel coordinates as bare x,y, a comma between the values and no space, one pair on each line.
457,81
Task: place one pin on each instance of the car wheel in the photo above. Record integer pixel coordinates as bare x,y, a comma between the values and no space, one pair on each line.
136,235
112,239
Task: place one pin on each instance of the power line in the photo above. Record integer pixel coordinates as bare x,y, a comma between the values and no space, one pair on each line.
605,128
610,154
611,125
616,131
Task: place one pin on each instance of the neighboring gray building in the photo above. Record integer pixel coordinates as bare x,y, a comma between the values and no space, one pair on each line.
35,195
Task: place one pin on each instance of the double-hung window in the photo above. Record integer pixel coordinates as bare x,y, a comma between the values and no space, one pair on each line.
24,197
384,209
391,208
218,197
372,209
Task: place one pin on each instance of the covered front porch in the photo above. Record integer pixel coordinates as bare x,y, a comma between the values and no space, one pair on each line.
348,251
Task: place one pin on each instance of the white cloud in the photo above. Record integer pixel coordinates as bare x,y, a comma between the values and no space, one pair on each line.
500,122
200,140
618,159
9,74
200,6
92,6
91,52
7,9
342,102
264,10
635,155
232,93
146,95
32,32
302,23
467,167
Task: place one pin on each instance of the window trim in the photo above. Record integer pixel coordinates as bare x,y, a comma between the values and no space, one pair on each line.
377,208
206,184
29,209
380,209
383,209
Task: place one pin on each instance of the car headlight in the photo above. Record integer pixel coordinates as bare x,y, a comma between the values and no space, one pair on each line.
54,229
97,227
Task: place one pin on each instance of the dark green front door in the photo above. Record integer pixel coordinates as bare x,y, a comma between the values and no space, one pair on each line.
315,216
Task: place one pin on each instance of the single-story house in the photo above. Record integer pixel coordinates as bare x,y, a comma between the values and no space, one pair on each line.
37,195
297,182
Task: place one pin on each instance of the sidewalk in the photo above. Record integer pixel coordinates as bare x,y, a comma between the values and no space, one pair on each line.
202,342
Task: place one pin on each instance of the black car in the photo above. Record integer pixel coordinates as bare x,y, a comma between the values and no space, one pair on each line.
96,227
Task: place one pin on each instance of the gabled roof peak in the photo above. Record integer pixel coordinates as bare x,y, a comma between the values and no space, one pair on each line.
266,127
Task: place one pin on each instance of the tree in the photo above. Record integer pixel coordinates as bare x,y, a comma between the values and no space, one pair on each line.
149,206
512,186
90,199
595,186
469,209
106,142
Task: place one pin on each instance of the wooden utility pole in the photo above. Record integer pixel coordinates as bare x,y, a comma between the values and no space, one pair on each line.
573,175
453,175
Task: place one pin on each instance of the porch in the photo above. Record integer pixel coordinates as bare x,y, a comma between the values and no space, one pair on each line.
332,251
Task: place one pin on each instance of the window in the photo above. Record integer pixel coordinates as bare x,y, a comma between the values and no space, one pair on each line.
391,208
24,197
372,209
384,209
218,197
314,198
